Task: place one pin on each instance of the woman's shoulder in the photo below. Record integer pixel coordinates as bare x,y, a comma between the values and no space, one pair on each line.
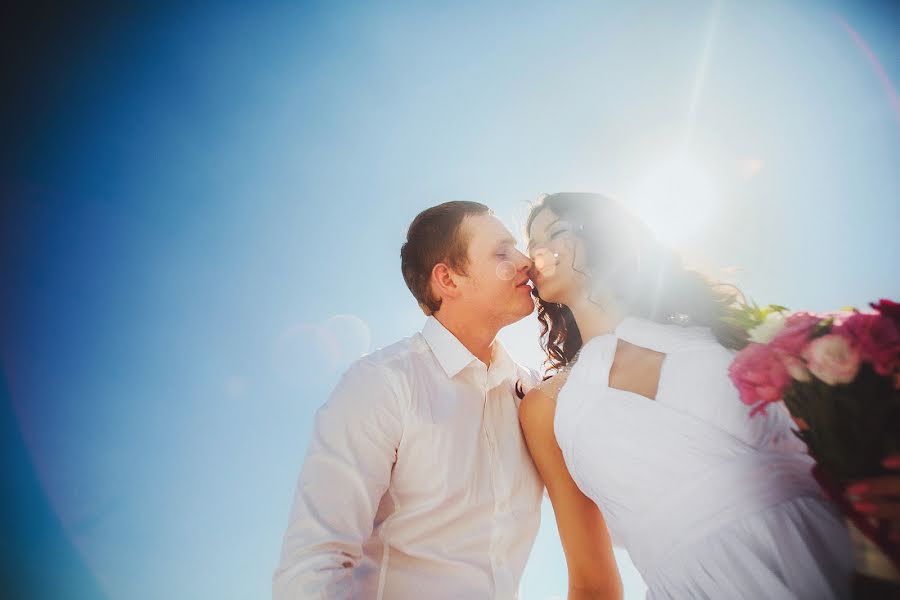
539,403
551,386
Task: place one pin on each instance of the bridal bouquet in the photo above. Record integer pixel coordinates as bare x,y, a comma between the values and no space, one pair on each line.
839,376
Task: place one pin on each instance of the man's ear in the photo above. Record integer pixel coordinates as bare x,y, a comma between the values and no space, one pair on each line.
444,281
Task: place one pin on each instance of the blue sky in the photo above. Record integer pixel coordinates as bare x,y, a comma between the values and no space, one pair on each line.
203,210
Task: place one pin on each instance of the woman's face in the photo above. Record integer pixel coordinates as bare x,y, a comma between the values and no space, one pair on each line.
559,258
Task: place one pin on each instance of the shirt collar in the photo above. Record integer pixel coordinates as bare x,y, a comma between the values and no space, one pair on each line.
502,368
449,351
454,357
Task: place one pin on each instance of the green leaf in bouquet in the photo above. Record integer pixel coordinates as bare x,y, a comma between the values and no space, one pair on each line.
747,316
823,327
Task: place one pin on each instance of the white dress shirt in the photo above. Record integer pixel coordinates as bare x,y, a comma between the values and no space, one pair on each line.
417,482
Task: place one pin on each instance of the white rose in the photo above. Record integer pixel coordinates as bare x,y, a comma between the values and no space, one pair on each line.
832,359
766,331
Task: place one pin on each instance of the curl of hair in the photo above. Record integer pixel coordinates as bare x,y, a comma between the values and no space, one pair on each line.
649,280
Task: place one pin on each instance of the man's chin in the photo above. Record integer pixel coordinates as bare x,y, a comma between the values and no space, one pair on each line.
514,317
526,311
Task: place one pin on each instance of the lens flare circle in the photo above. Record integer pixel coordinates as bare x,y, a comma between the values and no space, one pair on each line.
328,347
349,338
506,270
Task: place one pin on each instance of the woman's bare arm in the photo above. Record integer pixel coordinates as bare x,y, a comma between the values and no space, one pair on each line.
593,573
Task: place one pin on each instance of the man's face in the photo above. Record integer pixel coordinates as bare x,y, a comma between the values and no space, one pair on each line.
496,282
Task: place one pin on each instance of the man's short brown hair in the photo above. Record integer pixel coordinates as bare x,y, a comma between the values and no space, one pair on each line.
435,236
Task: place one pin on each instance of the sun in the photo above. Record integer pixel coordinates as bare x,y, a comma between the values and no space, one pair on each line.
676,198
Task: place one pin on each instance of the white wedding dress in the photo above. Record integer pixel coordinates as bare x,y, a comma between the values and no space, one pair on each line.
709,501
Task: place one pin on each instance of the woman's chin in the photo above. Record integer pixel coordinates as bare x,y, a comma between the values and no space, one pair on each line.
547,298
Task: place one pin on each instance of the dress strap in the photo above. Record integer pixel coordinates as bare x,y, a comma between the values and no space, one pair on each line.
595,361
660,337
589,372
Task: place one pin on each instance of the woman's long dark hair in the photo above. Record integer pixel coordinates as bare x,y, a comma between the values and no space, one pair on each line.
646,277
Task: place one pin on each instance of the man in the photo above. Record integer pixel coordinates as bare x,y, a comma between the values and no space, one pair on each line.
417,482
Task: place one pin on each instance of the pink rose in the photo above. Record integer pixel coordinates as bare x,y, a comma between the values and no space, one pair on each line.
877,337
794,337
759,376
833,359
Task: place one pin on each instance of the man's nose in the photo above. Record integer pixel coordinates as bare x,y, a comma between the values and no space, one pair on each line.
525,263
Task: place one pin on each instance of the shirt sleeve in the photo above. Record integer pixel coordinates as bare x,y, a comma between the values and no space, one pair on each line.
345,474
528,378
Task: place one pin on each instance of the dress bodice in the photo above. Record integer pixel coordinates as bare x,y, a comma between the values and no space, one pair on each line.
677,467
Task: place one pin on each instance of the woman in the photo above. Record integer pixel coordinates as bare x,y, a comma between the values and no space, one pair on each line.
640,436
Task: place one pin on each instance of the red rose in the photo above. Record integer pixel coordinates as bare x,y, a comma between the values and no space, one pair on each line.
878,338
888,308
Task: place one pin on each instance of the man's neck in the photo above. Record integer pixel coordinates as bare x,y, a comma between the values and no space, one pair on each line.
476,336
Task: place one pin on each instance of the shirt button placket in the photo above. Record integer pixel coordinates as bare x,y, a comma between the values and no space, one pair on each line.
496,558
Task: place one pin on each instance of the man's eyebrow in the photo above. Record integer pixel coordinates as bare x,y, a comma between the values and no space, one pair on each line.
549,225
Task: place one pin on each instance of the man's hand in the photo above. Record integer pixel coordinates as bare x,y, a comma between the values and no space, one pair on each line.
879,497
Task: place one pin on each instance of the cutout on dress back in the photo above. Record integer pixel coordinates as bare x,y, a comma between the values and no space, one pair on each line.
640,371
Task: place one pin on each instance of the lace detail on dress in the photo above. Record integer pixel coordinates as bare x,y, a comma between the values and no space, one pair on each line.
551,387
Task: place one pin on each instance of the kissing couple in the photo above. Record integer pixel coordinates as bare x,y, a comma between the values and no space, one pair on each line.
428,463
